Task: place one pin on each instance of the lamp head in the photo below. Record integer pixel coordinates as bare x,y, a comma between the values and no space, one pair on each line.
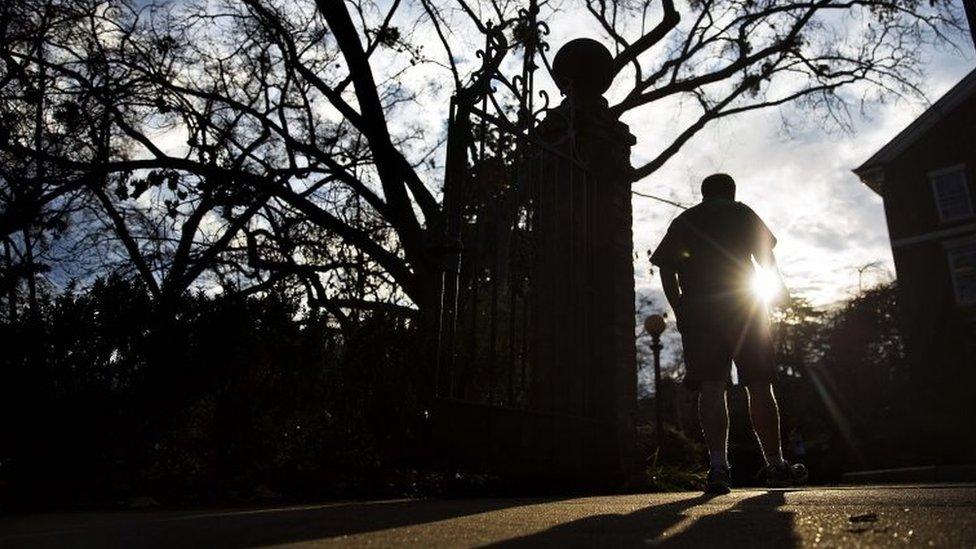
655,325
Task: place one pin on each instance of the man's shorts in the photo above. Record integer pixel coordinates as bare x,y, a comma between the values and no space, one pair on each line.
713,335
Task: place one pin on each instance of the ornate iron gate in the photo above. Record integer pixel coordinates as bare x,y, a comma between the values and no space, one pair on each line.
535,338
518,204
520,214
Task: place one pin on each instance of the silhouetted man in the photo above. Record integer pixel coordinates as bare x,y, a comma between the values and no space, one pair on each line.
706,262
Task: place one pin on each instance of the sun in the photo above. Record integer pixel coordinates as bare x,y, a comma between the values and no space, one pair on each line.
765,285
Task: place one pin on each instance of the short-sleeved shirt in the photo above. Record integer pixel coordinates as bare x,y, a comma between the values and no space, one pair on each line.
710,247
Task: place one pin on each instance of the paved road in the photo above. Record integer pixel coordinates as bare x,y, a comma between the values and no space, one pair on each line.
913,516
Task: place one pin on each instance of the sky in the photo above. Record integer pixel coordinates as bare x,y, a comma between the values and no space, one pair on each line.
826,221
797,178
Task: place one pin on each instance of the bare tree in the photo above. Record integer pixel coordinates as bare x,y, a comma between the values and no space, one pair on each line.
290,139
36,198
166,219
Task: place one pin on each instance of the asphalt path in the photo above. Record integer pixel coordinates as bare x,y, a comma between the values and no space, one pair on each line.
876,516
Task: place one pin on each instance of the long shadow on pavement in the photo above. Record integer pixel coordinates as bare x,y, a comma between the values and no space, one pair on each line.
239,528
754,521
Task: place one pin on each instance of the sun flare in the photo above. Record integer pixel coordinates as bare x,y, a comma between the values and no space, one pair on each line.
765,284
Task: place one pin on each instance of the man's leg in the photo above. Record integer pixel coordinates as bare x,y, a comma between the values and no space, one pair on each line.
764,413
757,367
713,413
708,363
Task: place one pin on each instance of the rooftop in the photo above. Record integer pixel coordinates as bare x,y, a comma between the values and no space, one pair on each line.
869,171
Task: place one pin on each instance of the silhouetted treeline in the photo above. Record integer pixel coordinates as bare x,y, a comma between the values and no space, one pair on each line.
105,398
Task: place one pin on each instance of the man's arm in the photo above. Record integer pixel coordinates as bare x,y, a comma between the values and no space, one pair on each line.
667,256
763,242
767,260
672,291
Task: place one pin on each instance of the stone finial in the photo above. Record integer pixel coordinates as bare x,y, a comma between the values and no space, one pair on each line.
583,66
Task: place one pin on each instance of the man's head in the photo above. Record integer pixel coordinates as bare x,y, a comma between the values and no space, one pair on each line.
719,185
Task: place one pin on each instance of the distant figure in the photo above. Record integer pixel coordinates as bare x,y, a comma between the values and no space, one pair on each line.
706,263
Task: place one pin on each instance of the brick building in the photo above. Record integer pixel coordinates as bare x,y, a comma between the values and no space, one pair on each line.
926,176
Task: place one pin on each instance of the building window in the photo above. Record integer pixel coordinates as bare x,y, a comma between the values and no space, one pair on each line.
962,268
951,193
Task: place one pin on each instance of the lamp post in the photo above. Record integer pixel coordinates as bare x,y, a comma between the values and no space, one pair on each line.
654,325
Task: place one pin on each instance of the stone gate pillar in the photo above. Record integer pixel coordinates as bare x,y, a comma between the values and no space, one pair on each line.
584,281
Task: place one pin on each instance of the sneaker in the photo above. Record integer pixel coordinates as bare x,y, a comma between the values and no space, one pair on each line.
719,481
785,475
